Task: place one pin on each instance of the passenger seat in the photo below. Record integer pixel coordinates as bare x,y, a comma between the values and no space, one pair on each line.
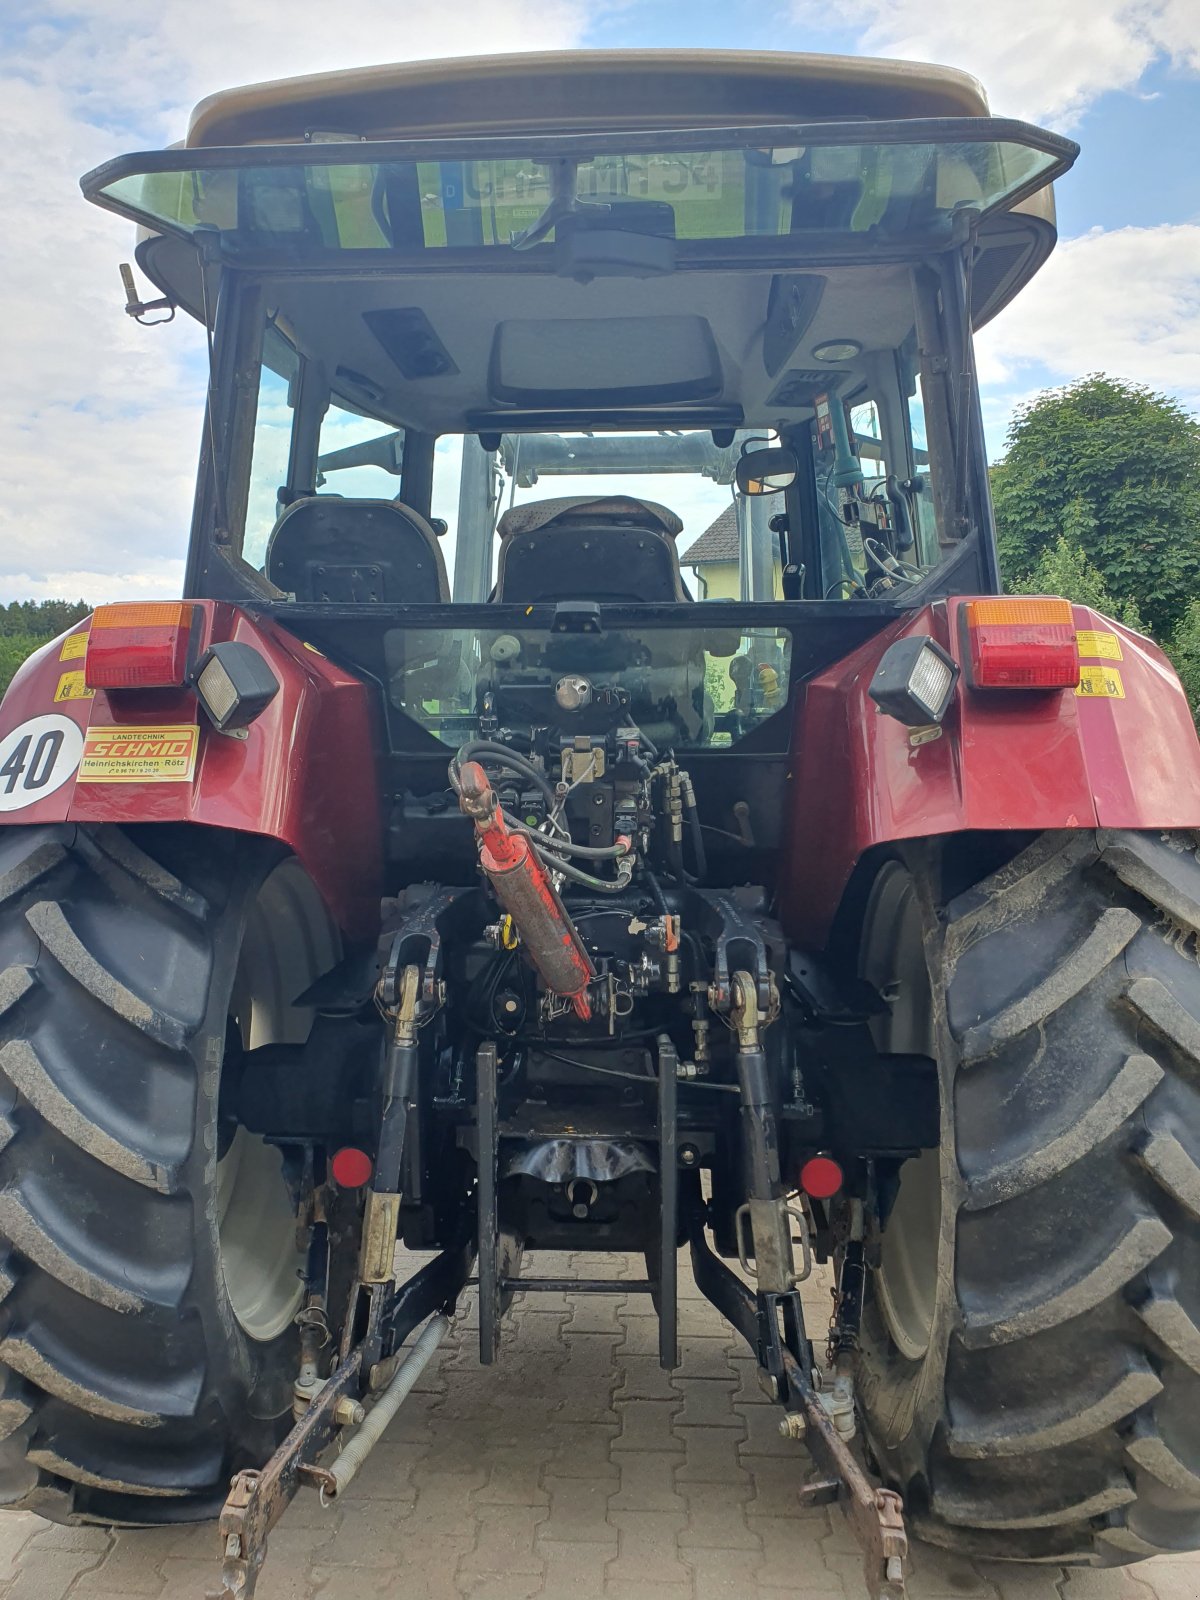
358,552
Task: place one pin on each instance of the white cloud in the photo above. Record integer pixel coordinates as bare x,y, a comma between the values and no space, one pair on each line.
100,419
1124,302
1044,63
153,580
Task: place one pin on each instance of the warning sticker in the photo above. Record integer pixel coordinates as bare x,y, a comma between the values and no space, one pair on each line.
139,755
1104,646
1100,683
74,647
71,686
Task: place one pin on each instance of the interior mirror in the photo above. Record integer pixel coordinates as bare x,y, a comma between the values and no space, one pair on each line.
767,471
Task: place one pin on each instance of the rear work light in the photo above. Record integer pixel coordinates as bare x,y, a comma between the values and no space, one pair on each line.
914,681
1021,644
235,685
135,646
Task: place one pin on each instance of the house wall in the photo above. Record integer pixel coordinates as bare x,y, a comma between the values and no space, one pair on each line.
721,580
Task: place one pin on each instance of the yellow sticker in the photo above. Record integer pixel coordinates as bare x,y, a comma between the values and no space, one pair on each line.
1104,646
74,646
139,755
1102,683
71,686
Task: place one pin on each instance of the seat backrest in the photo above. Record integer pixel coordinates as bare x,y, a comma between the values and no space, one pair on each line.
616,549
356,552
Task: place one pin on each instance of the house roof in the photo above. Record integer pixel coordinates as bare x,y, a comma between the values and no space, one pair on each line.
718,542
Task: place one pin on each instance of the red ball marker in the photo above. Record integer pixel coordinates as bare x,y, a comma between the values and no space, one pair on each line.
351,1168
821,1177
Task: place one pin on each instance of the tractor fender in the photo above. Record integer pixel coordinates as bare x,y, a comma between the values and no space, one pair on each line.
304,774
1121,751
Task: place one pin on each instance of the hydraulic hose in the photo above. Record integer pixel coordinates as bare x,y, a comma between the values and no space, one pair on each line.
501,755
675,861
567,847
660,899
390,1401
555,863
693,811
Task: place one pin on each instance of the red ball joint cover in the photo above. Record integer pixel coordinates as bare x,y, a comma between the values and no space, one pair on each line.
351,1168
821,1177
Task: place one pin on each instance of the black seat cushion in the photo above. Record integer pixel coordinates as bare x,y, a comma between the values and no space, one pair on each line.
358,552
616,549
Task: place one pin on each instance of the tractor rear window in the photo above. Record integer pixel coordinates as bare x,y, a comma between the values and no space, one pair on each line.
685,688
908,182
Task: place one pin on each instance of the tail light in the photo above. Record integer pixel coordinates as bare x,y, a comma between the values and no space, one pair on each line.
133,646
1021,643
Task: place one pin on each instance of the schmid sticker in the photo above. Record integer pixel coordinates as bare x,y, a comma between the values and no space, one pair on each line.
1103,646
139,755
74,647
1100,683
71,686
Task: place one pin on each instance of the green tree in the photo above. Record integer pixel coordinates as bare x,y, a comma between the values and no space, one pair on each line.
1184,650
25,625
1114,469
1064,569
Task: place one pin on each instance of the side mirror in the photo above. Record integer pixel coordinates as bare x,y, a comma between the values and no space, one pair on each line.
767,471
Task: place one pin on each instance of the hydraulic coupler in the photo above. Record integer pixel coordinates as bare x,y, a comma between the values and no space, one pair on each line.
523,887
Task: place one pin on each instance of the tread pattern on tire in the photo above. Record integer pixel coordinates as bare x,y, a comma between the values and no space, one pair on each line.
1071,1420
109,1410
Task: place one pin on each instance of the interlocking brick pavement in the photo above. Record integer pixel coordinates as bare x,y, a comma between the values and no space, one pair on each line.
574,1470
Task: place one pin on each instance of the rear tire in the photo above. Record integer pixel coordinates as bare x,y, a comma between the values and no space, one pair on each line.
1030,1377
147,1341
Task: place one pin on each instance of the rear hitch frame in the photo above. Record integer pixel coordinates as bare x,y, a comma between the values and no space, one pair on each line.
769,1316
773,1325
258,1497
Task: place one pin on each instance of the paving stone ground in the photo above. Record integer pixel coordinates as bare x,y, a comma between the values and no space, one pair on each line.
574,1470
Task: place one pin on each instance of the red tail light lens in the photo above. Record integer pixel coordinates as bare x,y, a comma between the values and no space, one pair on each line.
1021,644
139,646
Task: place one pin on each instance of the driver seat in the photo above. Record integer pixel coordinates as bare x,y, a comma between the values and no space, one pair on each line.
614,549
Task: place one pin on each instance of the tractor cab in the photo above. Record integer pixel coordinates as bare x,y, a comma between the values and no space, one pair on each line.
439,322
485,391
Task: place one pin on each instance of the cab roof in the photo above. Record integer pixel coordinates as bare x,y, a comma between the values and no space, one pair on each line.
580,91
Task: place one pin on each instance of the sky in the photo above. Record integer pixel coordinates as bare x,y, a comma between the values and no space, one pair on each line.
100,418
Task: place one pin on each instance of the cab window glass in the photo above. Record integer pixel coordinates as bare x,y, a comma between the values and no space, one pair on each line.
868,442
358,457
269,461
925,528
876,516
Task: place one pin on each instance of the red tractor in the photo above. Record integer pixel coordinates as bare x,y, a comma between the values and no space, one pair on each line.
457,865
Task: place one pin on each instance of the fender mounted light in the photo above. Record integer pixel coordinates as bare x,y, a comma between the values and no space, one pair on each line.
1020,643
235,685
139,646
914,681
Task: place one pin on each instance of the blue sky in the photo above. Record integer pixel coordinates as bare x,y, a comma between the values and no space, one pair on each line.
99,419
